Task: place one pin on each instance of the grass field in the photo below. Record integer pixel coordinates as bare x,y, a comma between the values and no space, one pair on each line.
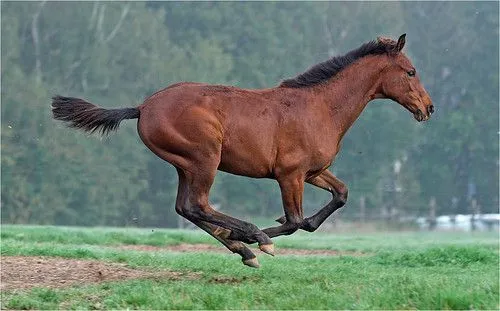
397,270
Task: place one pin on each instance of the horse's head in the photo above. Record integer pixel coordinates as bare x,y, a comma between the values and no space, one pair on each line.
400,82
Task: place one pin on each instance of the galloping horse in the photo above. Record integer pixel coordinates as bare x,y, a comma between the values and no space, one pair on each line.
290,133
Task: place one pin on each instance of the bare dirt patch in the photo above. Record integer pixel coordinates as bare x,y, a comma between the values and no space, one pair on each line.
220,249
18,272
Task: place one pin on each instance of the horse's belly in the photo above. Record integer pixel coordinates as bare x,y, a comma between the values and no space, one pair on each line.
246,160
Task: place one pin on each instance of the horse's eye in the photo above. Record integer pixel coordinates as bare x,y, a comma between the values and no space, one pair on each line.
411,73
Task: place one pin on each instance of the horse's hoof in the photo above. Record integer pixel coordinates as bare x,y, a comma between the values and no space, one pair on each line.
254,263
267,248
281,220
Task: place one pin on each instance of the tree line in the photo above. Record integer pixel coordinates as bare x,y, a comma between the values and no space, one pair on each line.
116,54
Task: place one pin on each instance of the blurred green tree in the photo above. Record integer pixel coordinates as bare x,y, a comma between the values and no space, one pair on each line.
115,54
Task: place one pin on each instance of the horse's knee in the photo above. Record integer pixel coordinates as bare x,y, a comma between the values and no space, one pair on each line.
308,225
291,227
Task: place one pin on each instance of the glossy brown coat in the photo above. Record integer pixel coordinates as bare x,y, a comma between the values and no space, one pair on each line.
290,133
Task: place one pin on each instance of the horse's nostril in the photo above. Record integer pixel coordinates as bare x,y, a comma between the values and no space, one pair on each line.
431,109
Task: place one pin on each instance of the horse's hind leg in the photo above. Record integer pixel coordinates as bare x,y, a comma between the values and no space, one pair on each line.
247,256
192,203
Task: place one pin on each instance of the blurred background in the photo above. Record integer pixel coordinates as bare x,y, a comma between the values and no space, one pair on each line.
400,173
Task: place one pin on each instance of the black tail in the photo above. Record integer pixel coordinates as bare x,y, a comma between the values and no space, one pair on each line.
88,117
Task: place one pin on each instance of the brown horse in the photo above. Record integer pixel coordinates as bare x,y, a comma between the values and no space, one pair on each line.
290,133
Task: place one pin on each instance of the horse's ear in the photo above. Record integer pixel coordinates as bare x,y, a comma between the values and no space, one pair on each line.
401,42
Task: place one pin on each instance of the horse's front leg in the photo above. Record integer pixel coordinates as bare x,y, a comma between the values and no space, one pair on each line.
292,189
326,180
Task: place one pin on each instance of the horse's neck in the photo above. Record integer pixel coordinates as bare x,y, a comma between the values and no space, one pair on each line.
348,94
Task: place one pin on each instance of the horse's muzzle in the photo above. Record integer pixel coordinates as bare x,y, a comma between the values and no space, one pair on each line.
420,116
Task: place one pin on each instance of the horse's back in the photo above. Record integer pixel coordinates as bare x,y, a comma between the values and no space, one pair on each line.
200,120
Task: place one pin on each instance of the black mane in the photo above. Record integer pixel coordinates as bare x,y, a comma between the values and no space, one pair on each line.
323,71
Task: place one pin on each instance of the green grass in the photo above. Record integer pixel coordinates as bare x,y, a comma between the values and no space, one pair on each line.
402,271
103,236
318,240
